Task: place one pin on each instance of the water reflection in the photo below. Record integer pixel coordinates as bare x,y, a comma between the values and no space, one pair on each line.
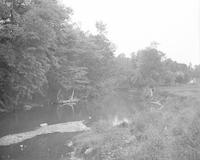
21,121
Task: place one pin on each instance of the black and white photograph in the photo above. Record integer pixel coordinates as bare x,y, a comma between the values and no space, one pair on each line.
99,79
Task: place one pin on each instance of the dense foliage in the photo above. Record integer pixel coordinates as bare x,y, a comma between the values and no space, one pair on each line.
42,51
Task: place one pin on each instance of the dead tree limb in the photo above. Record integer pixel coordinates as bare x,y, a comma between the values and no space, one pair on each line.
75,126
70,102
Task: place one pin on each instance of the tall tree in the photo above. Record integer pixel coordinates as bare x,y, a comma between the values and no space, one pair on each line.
149,67
28,36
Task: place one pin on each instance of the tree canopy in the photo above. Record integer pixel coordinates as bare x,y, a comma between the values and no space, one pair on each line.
43,51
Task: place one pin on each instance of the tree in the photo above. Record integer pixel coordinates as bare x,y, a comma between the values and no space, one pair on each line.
43,52
196,73
101,28
28,37
179,73
149,67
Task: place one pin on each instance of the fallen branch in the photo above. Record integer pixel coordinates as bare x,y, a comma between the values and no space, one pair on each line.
75,126
159,104
70,102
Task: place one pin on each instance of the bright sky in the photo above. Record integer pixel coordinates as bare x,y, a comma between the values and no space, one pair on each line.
134,24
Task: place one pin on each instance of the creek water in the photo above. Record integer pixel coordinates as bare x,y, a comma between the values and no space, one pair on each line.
54,146
51,146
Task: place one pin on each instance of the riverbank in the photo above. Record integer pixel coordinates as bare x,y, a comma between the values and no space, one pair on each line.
170,133
147,132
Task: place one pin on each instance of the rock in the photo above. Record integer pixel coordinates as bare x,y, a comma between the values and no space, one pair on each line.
70,144
21,147
118,122
27,107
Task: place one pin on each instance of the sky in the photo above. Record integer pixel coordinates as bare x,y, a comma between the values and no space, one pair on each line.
134,24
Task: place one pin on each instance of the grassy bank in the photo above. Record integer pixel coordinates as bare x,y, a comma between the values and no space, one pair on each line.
172,133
